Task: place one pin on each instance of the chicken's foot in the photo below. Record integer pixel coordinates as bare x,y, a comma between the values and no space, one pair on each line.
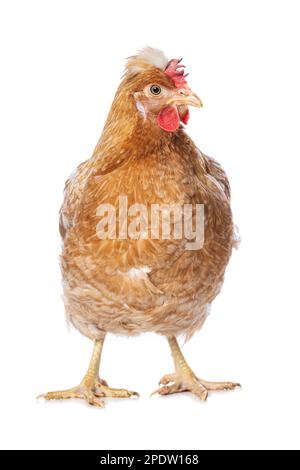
184,379
91,388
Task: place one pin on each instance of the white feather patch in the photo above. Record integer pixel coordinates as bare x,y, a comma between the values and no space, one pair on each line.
145,57
236,236
153,56
138,272
141,109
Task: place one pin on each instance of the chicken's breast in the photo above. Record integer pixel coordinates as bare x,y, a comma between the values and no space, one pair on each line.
131,286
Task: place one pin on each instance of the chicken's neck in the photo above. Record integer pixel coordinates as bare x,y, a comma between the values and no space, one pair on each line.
128,135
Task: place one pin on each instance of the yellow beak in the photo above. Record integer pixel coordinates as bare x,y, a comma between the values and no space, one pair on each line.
186,97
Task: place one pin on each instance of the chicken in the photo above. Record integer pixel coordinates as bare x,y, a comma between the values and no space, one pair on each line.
137,276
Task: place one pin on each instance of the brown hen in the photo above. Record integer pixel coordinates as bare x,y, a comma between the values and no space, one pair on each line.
136,276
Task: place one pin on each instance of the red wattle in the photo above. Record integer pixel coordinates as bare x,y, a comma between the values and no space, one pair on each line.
168,119
186,117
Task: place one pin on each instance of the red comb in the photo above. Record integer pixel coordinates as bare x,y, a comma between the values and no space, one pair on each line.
175,71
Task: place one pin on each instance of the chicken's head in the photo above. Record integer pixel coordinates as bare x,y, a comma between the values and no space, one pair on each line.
159,89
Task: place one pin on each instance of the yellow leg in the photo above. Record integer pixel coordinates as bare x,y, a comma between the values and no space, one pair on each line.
184,378
91,388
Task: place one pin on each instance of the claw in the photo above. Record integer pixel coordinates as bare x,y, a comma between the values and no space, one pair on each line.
41,397
167,379
94,402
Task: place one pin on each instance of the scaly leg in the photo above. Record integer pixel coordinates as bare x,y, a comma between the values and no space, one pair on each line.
91,388
184,379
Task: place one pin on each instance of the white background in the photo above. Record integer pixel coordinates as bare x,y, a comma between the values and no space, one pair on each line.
61,62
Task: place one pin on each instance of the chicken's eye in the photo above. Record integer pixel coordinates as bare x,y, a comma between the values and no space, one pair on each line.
155,90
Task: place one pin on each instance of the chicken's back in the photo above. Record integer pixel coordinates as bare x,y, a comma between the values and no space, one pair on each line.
73,193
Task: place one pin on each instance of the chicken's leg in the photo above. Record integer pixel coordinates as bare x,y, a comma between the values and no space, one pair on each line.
91,388
184,379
